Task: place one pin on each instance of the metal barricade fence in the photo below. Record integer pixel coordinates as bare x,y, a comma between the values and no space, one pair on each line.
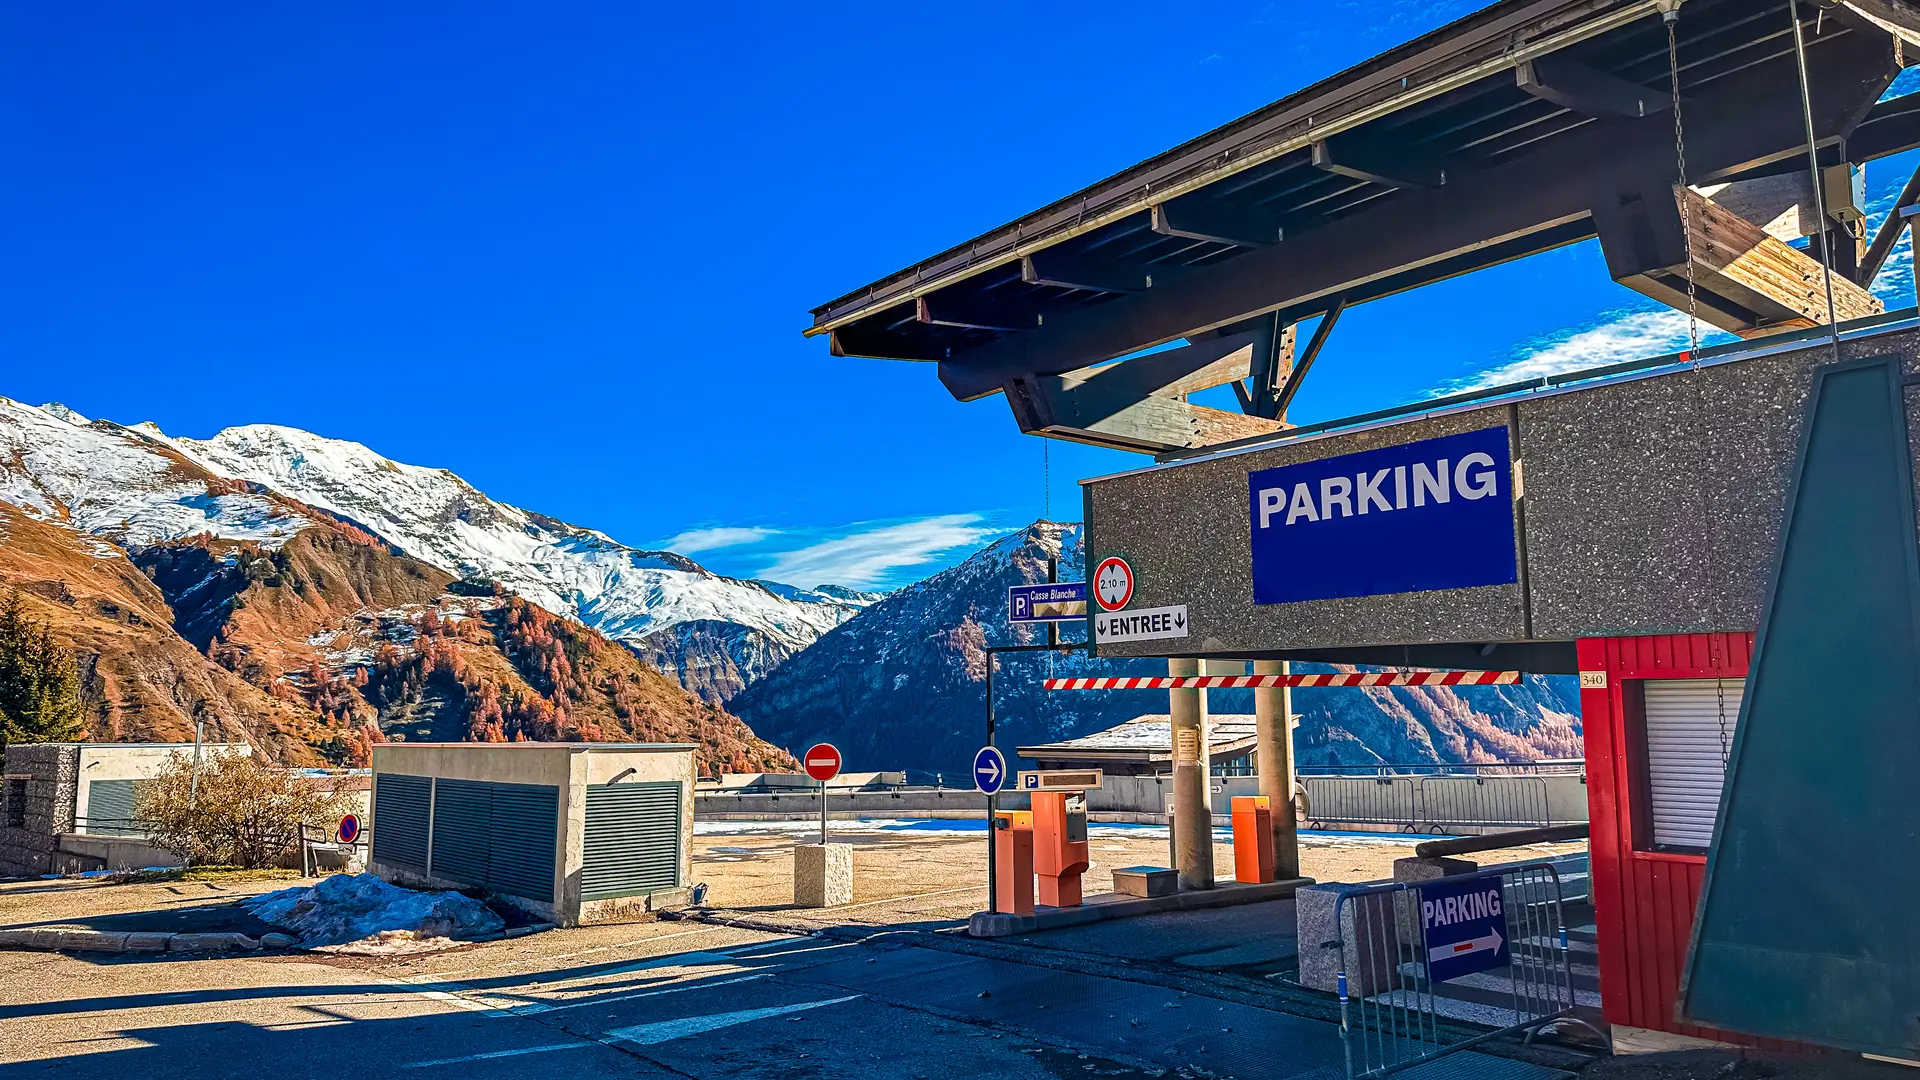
1513,802
1391,1016
1360,800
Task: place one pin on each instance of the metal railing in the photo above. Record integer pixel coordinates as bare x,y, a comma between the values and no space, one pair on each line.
1429,803
1510,802
126,828
1361,800
1395,1015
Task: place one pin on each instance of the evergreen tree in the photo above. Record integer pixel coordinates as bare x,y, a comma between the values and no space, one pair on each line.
39,684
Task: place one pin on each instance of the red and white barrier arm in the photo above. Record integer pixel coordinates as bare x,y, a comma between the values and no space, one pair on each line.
1239,682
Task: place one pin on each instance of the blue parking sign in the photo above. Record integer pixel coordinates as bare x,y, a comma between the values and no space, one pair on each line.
1463,926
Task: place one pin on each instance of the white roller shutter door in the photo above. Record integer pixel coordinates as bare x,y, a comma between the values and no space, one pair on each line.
1685,756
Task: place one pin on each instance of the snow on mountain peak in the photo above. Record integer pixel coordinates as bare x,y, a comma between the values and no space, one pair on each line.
434,515
103,480
61,412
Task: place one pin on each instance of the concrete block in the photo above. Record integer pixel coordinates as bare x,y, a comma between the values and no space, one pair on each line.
1429,869
1145,881
29,938
822,875
148,942
224,942
1369,927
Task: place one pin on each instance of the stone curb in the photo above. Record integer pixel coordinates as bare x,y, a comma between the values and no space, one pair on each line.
62,940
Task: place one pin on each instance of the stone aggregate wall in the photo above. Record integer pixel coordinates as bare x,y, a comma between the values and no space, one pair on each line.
1650,505
53,776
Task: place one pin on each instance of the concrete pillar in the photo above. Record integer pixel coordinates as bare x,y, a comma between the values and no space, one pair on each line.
1273,758
1192,812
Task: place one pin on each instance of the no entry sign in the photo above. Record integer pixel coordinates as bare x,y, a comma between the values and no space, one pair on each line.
1464,925
822,761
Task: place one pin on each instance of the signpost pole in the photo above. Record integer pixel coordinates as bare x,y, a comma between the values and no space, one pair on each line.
823,813
993,882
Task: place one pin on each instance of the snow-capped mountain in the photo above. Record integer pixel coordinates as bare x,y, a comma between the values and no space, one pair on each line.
903,685
138,486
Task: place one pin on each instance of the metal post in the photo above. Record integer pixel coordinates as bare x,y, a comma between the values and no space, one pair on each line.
823,813
993,877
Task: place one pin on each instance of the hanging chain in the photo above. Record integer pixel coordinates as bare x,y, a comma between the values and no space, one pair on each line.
1726,741
1672,17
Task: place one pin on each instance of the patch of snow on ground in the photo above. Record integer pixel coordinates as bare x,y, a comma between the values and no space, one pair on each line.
349,909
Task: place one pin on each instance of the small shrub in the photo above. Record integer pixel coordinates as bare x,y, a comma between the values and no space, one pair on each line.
247,814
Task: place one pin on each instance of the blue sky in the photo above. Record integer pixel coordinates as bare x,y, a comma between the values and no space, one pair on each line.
567,250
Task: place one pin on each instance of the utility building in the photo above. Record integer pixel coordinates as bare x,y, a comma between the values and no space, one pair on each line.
572,832
1629,524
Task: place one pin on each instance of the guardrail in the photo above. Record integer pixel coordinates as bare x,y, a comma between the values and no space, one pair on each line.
1511,802
1361,800
1429,803
1402,944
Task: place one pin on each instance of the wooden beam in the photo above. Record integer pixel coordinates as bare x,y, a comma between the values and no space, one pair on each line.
1573,85
937,309
856,341
1348,155
1093,412
1743,122
1197,220
1067,271
1889,233
1260,396
1305,363
1175,373
1745,281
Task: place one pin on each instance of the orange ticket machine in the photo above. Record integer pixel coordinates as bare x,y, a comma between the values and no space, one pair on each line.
1252,839
1060,845
1013,861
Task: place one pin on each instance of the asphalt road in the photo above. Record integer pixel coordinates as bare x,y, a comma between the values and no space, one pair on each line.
713,1003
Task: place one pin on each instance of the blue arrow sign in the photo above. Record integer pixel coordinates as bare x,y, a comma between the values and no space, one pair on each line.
989,770
1464,926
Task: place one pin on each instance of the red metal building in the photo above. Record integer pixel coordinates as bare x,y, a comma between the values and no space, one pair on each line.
1657,713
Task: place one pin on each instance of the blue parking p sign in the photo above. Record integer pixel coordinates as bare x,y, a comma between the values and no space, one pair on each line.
1464,927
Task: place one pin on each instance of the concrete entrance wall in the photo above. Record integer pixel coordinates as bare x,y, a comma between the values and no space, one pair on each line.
1649,504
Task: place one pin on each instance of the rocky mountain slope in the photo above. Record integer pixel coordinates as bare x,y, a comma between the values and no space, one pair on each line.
136,486
902,685
188,595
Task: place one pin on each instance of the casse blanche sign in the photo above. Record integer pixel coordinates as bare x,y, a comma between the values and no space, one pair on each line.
1434,514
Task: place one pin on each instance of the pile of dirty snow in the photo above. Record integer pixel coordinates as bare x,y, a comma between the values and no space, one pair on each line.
361,910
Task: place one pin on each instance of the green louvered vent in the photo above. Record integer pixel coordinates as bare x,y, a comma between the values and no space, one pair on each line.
525,823
497,836
462,818
633,840
400,820
110,808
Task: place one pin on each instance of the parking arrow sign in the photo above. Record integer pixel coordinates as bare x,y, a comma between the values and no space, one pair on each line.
989,770
1463,926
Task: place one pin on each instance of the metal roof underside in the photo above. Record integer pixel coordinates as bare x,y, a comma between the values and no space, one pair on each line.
1486,140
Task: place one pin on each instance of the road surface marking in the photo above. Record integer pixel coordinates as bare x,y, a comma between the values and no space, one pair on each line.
667,1030
583,952
536,1008
498,1054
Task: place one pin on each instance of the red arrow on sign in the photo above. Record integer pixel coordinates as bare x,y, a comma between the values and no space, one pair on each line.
822,761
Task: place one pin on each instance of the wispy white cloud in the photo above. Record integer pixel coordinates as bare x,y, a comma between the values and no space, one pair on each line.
1615,338
874,556
725,536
